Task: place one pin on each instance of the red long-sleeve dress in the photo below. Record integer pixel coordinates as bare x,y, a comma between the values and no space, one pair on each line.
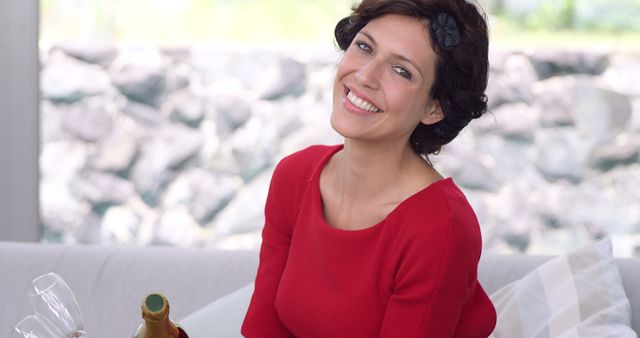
411,275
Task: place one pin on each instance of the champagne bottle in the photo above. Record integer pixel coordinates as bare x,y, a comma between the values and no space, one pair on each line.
155,312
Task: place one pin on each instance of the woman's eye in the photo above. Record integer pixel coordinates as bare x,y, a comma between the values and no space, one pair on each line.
364,47
403,72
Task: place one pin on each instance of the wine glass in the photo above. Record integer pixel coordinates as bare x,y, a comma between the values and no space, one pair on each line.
53,300
32,326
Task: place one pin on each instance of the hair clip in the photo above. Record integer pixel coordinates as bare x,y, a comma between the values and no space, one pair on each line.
445,30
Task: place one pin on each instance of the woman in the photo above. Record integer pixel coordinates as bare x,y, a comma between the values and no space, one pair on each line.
367,239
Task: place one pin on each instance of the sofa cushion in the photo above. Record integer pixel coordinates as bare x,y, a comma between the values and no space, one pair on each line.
579,294
221,318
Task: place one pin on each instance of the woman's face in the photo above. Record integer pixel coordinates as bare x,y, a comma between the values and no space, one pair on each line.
381,89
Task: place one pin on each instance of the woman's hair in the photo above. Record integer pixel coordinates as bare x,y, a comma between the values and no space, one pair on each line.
461,69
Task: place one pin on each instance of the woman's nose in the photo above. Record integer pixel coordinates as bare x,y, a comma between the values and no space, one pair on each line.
368,75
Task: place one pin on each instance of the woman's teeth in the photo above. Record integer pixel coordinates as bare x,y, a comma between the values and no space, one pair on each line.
360,103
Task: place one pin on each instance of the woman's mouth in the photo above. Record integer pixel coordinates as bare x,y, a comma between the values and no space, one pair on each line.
360,102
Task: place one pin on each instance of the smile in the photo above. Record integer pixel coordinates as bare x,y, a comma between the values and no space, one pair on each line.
361,103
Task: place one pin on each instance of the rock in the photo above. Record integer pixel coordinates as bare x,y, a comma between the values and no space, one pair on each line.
145,115
230,112
307,136
501,90
624,151
253,147
210,145
521,74
117,151
554,102
171,148
504,205
614,195
50,123
550,62
60,212
140,76
561,154
64,79
625,246
634,124
497,59
90,52
223,161
452,156
511,158
101,189
531,188
619,186
176,227
120,225
185,107
599,113
233,68
179,54
245,213
622,75
178,144
180,76
511,81
88,232
63,159
557,242
552,208
89,120
486,124
150,177
517,121
202,192
286,115
477,173
608,212
290,80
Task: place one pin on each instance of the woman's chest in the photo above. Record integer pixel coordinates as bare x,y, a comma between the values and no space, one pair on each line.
331,301
335,286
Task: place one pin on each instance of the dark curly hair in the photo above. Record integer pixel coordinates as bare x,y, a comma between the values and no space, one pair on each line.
461,71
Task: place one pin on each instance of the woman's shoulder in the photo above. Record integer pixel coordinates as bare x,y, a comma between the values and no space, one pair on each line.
304,162
441,209
442,197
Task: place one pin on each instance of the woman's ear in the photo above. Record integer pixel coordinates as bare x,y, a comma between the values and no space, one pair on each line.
433,114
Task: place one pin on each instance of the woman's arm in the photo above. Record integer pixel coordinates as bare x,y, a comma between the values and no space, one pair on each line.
436,280
261,319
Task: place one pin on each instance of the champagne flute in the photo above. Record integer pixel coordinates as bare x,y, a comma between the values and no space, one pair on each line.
53,300
32,326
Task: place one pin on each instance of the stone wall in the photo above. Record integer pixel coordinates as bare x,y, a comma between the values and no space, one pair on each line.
146,146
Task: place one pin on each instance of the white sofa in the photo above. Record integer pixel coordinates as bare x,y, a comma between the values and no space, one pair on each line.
111,282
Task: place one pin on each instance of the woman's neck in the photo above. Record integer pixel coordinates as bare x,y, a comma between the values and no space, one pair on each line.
364,170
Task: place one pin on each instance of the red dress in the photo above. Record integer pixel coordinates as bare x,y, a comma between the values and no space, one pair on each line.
411,275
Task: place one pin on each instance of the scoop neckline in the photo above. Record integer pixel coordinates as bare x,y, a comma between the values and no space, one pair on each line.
318,202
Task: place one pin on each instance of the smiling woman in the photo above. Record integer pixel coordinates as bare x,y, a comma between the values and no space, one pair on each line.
366,238
389,68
